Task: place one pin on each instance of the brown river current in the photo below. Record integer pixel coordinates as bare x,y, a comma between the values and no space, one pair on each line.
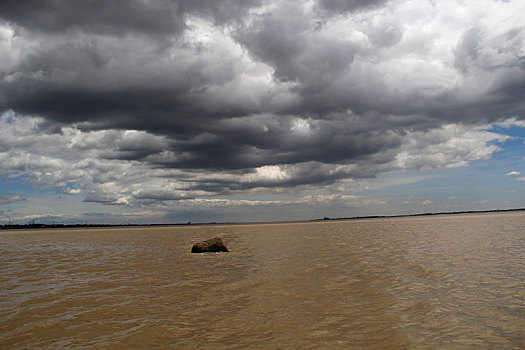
440,282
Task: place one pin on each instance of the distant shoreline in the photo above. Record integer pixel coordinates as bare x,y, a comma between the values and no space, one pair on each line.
54,226
421,214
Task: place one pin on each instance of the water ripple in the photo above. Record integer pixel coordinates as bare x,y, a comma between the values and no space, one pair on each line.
448,282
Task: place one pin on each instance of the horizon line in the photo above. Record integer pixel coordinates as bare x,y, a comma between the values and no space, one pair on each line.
189,223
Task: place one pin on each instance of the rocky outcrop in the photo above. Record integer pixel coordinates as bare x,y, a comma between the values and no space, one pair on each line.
210,246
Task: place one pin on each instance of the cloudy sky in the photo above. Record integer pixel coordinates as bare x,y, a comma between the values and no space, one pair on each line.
141,111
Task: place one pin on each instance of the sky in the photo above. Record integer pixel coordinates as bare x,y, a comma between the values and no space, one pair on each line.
169,111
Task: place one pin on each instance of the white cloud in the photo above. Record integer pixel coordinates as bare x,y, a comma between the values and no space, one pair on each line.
450,146
513,173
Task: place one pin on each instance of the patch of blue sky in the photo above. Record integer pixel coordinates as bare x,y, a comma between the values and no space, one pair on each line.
515,146
476,176
511,157
496,180
70,186
21,186
18,185
511,130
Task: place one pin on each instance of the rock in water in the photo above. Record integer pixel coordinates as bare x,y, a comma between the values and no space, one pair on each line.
209,246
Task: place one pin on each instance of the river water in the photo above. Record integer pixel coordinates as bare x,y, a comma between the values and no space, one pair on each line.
439,282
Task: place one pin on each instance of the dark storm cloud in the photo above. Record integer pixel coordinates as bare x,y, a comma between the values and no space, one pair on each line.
232,86
342,6
284,41
104,198
302,174
118,17
160,195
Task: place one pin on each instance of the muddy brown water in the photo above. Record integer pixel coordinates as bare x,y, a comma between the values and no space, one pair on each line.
440,282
